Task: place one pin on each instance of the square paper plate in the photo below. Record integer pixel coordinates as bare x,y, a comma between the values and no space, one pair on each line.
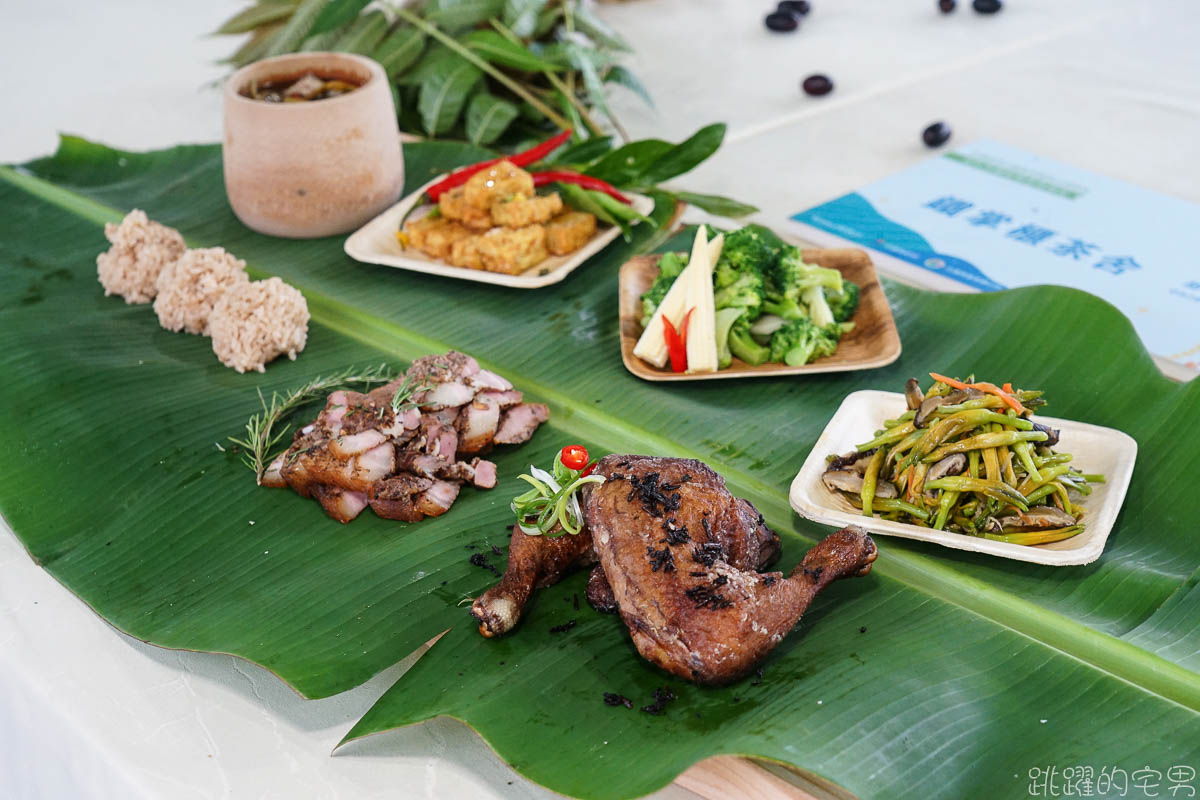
1096,449
375,243
874,342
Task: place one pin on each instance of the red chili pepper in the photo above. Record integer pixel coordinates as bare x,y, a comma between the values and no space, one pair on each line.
675,347
574,456
586,181
677,341
589,469
522,159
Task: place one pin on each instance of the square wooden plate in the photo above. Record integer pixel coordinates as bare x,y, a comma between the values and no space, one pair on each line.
1095,449
375,243
874,342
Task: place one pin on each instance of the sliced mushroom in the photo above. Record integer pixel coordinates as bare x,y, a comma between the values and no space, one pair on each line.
1051,434
846,481
950,465
931,404
1038,517
853,461
913,394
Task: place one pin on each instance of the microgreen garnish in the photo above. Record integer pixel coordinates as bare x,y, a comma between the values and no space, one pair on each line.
551,508
261,436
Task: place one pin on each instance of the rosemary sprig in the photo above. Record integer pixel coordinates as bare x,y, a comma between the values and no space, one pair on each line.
402,399
261,436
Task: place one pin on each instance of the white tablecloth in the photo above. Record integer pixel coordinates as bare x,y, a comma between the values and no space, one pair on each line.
1108,85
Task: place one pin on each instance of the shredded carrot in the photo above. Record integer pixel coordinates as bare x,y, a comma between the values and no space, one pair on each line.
1008,388
984,386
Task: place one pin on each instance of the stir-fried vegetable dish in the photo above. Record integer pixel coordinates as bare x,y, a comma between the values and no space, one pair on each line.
966,457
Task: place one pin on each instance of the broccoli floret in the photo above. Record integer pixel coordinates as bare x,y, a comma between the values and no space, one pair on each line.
843,303
791,275
800,341
818,310
786,307
744,292
742,344
669,267
725,318
750,249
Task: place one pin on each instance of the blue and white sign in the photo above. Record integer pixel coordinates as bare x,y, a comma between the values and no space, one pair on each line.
988,216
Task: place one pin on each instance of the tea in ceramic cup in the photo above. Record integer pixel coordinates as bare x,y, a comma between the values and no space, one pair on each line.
304,168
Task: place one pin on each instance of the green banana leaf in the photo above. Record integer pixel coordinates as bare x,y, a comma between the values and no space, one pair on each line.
942,674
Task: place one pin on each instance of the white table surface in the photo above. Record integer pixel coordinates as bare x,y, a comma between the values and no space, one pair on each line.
1108,85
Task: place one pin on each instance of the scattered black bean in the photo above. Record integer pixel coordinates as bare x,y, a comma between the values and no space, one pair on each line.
757,677
800,7
566,626
575,601
662,698
720,580
782,21
936,134
737,699
863,629
817,85
769,580
614,699
707,553
656,499
946,6
987,6
497,551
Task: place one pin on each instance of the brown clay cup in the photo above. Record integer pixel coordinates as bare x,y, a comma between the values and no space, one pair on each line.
324,167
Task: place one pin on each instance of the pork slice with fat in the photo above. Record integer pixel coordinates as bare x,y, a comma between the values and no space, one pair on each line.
520,422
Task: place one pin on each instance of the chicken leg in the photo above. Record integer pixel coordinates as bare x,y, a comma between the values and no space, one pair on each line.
689,608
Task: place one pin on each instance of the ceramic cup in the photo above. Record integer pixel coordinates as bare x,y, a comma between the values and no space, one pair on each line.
318,168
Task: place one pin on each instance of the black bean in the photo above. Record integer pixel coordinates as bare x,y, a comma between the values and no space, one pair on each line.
936,134
799,7
817,85
946,6
782,21
987,6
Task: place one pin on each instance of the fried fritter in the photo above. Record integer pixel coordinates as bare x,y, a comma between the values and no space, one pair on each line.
519,210
454,205
435,236
512,250
499,181
568,232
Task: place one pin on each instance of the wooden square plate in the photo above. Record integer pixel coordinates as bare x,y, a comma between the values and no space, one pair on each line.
375,243
1095,449
874,342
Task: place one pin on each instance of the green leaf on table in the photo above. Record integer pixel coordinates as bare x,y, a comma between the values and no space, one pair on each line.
624,77
256,16
457,15
446,82
496,49
686,155
521,16
335,14
256,46
298,26
716,204
546,20
583,153
400,50
942,674
364,34
598,30
626,165
487,117
588,61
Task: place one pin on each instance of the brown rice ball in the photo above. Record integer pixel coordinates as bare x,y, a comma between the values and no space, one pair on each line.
140,250
189,288
253,323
